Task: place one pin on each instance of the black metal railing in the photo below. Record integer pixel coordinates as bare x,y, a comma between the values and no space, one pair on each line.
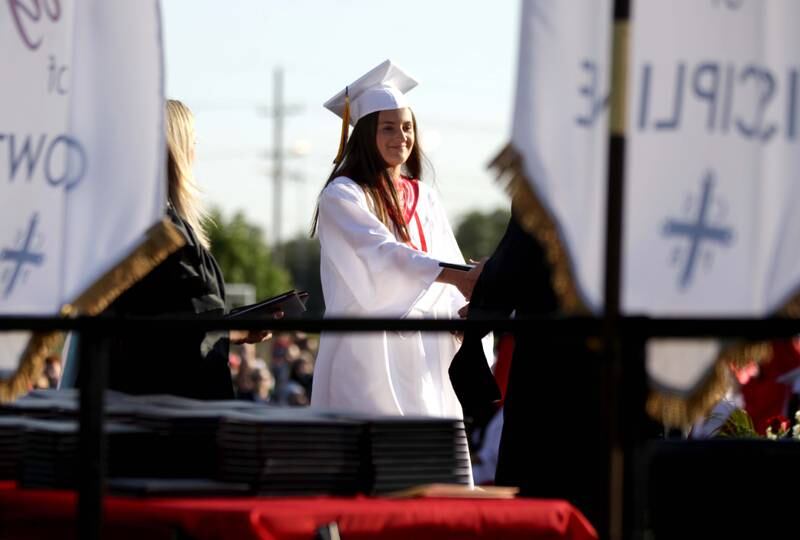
94,329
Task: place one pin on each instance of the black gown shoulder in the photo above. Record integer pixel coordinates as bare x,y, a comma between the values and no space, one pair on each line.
192,364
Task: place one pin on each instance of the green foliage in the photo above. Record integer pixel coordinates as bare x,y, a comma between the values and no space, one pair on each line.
739,425
244,256
301,257
478,234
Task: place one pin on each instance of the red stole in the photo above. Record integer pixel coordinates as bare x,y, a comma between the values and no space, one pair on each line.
408,191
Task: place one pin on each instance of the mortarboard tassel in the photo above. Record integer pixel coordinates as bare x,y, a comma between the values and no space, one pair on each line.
345,127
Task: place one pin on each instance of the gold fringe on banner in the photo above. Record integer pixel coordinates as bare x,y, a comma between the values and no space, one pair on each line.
161,240
534,218
675,410
31,366
792,308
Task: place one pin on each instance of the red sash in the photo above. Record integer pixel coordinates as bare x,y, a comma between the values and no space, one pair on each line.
409,196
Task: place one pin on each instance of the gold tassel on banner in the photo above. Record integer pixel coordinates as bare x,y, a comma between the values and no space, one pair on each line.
161,240
345,127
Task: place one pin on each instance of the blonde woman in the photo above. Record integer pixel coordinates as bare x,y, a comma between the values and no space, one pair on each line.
189,283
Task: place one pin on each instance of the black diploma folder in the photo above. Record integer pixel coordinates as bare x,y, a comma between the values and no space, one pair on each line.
454,266
292,303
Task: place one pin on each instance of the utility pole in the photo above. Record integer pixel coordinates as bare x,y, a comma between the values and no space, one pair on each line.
278,111
277,156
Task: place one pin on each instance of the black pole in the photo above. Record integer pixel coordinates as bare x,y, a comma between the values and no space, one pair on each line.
613,372
541,327
93,349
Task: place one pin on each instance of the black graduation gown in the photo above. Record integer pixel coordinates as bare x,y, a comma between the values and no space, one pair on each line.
191,364
553,441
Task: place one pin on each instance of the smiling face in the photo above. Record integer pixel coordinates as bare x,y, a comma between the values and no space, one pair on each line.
395,136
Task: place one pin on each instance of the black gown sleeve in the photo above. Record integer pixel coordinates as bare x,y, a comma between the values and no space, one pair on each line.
516,278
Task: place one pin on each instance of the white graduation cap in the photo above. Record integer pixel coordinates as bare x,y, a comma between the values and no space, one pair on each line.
383,88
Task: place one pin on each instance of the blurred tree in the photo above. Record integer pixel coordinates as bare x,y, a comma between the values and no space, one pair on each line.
301,257
479,233
244,256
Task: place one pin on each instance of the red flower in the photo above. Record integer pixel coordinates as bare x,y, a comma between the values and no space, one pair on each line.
779,424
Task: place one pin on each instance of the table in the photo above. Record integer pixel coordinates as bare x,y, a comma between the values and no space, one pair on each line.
50,514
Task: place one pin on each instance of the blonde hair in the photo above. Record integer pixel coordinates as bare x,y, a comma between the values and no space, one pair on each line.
184,194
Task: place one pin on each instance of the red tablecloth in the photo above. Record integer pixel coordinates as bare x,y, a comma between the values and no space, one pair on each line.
50,514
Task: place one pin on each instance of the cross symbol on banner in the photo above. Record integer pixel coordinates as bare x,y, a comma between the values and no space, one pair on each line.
697,231
22,256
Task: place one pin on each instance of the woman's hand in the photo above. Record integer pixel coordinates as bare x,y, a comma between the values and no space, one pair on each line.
462,313
463,281
239,337
469,279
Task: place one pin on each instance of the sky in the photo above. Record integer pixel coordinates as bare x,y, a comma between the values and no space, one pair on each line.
220,58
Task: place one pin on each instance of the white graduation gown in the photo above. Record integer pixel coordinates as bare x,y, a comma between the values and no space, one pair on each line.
367,272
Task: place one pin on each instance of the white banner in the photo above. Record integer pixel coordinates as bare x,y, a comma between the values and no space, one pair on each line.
713,160
712,168
712,172
81,145
560,125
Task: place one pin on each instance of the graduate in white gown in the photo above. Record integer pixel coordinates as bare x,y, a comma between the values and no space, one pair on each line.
383,233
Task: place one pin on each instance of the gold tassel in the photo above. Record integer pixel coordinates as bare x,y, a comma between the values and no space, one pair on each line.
345,127
161,240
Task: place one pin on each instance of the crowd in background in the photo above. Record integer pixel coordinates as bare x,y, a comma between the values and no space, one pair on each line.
278,371
283,376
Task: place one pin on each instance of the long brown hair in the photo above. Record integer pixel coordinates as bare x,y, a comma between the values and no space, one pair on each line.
362,162
182,189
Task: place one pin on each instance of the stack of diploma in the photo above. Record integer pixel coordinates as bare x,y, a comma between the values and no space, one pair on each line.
407,451
10,444
165,445
49,452
291,452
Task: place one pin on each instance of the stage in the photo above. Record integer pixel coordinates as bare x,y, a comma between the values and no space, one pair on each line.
47,514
